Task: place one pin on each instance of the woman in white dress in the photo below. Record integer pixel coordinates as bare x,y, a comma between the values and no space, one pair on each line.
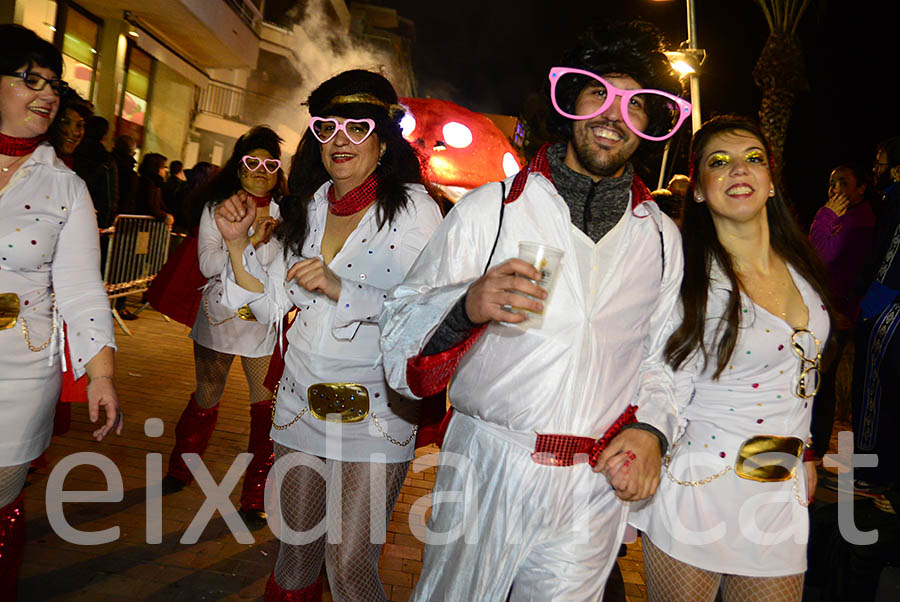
221,333
355,221
49,273
730,512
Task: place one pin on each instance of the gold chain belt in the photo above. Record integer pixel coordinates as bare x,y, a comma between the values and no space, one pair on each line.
763,458
349,400
10,312
243,312
778,454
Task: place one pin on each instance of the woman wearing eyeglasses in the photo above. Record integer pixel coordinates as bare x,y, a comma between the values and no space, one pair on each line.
221,333
355,221
49,273
730,512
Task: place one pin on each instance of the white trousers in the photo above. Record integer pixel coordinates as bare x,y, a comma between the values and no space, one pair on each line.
504,527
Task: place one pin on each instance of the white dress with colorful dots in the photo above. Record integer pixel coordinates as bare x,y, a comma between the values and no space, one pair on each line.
338,341
48,247
734,525
217,327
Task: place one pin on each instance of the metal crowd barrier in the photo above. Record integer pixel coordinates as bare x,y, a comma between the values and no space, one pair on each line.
138,248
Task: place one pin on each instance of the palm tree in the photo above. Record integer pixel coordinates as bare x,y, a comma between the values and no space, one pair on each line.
780,72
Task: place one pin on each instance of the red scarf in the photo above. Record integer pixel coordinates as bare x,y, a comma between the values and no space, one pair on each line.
356,200
261,201
69,160
17,147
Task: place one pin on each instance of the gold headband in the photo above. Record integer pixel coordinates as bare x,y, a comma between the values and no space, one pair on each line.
365,98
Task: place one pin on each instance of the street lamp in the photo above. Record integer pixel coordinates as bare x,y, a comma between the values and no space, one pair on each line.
687,61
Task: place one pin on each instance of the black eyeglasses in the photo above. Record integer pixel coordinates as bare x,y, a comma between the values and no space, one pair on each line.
812,370
38,82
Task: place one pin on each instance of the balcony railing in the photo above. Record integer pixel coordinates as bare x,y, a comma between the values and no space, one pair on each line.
247,11
222,100
238,104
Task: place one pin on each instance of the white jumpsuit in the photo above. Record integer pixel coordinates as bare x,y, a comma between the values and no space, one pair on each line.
550,533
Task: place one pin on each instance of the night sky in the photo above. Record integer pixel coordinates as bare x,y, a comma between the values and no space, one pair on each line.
488,54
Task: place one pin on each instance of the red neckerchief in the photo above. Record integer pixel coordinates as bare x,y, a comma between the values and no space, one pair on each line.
261,201
539,164
69,160
16,147
357,199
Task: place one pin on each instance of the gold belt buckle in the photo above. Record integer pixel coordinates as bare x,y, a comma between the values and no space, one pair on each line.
768,458
350,400
9,310
245,313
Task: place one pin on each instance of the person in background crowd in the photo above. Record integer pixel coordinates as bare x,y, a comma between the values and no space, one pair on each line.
149,199
876,380
668,204
190,205
356,220
841,233
171,189
538,411
67,130
97,168
48,274
220,334
124,149
745,350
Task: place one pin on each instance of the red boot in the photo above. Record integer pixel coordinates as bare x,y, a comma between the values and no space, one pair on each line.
12,544
260,445
192,434
311,593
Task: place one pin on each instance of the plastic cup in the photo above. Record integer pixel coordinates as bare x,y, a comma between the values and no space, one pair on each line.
546,260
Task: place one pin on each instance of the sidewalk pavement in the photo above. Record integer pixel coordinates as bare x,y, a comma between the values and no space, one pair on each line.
154,378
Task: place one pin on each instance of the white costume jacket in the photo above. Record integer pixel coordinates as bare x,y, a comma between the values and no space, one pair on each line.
50,248
731,524
338,341
216,326
600,346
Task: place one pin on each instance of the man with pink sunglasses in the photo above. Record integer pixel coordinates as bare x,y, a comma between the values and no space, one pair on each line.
520,511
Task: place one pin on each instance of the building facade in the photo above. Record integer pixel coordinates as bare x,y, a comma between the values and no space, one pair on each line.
187,77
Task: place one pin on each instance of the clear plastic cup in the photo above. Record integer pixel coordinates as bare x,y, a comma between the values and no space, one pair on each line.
546,260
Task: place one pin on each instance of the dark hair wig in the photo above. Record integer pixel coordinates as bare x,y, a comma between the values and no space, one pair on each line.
20,47
702,247
227,181
400,164
633,48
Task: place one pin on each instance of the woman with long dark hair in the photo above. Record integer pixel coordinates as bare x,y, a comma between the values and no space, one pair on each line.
730,511
49,273
357,218
221,333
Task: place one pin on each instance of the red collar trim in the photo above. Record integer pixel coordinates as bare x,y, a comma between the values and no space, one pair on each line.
356,200
261,201
539,164
17,147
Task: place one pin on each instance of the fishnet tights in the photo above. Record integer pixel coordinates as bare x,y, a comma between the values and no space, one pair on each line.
212,372
12,479
352,564
670,580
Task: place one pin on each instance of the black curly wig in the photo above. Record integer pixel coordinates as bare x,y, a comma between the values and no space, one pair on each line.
633,48
354,94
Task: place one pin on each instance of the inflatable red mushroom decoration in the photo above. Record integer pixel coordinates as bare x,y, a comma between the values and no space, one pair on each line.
464,149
